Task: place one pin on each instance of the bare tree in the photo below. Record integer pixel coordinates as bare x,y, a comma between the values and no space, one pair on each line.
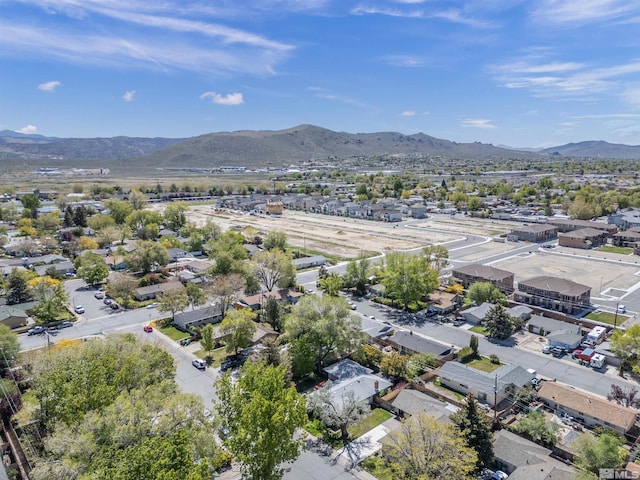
273,268
626,397
337,411
226,290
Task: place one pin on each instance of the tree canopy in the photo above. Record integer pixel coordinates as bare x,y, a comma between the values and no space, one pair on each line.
261,414
407,278
480,292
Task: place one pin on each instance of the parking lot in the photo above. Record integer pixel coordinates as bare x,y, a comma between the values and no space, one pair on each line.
80,294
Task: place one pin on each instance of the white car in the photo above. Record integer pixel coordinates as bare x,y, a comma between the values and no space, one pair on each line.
79,309
621,309
546,349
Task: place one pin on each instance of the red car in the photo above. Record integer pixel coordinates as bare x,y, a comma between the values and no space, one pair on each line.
148,328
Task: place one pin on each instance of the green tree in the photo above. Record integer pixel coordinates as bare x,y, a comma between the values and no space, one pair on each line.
238,327
337,411
49,222
480,292
262,416
195,294
9,347
368,355
208,341
473,344
226,290
626,345
175,215
91,267
536,426
144,223
80,216
357,275
420,363
273,268
52,300
407,278
499,323
474,203
18,289
137,199
476,431
30,201
326,325
275,239
424,448
331,284
173,301
604,452
118,209
437,256
395,365
273,314
147,257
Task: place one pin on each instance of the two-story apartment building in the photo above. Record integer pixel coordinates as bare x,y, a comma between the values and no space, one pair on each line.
475,272
534,233
554,293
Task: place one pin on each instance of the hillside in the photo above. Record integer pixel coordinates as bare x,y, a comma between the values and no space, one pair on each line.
596,149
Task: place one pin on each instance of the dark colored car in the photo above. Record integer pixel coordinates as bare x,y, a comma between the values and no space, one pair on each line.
107,301
66,324
557,352
232,361
114,305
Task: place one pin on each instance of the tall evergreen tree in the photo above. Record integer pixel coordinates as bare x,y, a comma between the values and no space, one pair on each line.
68,217
476,430
18,289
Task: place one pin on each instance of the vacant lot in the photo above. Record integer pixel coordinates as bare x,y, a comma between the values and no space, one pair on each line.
599,275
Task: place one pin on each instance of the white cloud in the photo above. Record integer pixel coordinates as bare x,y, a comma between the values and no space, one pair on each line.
582,11
229,99
608,115
477,123
49,86
326,95
408,113
405,61
28,130
129,96
632,96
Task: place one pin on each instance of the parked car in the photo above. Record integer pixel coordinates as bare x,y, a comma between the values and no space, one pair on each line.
79,309
232,361
199,364
148,328
557,352
114,305
546,349
99,295
152,305
185,341
499,475
37,330
621,309
107,301
65,324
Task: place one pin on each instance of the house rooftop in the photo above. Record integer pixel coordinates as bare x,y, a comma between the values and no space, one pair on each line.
185,318
485,381
551,324
417,343
362,387
583,233
346,368
483,271
412,401
595,407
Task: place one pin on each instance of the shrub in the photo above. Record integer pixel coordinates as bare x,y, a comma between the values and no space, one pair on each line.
494,359
466,354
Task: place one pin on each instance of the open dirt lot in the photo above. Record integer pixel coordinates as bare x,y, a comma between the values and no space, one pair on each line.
468,225
597,274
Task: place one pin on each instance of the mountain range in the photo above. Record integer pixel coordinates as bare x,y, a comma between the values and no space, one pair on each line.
267,148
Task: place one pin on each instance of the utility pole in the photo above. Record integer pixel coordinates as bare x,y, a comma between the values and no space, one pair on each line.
615,319
495,399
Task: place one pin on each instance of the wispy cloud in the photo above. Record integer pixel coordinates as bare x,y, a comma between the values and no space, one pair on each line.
477,123
229,99
325,94
405,60
407,10
582,11
608,115
28,129
49,86
129,96
408,113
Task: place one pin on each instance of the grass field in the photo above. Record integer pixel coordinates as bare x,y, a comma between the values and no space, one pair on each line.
483,364
173,333
480,330
216,355
612,249
377,467
375,418
606,317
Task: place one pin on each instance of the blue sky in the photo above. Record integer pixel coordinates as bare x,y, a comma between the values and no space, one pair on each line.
508,72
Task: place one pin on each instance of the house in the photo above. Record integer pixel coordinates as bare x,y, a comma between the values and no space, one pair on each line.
152,291
544,325
49,259
418,211
188,321
625,220
567,339
536,233
522,459
475,272
482,385
554,293
443,302
309,262
376,331
62,267
409,343
176,254
587,408
13,317
584,238
410,401
344,369
255,302
5,270
476,314
115,262
274,208
361,388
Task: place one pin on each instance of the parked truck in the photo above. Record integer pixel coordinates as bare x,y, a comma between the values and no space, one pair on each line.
598,360
596,335
584,356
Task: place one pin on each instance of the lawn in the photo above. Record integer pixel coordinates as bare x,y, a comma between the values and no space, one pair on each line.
217,356
606,317
612,249
458,395
172,332
375,418
479,329
483,364
318,430
377,467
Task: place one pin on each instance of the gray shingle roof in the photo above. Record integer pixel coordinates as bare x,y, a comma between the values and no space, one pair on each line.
412,401
418,343
562,286
185,318
346,368
551,324
484,381
483,271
